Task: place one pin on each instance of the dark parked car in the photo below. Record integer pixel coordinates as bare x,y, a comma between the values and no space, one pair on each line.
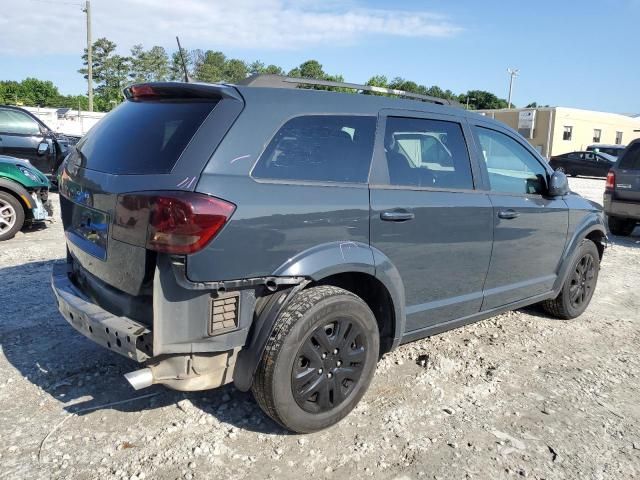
23,135
589,164
622,192
285,238
613,150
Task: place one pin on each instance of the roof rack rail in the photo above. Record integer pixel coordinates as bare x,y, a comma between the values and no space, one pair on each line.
280,81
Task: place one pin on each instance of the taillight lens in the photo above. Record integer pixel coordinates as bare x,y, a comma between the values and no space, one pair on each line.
178,222
611,181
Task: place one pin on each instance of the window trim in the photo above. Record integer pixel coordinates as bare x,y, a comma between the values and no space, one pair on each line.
320,183
497,128
379,175
565,131
599,130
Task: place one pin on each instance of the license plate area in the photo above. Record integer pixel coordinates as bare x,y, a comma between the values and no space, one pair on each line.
89,230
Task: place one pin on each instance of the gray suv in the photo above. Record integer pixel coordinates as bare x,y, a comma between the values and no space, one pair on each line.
284,239
622,192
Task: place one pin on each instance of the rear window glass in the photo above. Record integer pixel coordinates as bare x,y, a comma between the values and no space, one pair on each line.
631,159
143,137
322,148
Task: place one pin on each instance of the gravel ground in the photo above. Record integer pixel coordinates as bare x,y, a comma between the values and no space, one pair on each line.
519,395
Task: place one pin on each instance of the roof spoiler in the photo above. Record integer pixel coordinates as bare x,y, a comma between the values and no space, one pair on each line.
179,90
280,81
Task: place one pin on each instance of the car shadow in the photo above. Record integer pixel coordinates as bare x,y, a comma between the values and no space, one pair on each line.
82,377
632,240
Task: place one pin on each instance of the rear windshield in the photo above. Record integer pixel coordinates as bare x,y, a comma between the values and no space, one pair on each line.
143,137
631,159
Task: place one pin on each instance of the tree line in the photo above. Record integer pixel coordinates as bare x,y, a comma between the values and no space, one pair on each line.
112,72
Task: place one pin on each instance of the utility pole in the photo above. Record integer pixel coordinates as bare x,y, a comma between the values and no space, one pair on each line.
513,72
87,10
469,98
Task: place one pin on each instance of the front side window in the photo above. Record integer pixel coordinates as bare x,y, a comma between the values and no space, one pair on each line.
321,148
17,123
512,168
427,153
567,134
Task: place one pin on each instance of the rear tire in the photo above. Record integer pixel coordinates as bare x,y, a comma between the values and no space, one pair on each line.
11,216
622,227
579,286
319,360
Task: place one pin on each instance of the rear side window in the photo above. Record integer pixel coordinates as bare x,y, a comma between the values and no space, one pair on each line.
320,148
631,159
143,137
427,153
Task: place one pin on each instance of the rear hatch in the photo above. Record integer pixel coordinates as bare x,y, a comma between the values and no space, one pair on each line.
627,175
154,145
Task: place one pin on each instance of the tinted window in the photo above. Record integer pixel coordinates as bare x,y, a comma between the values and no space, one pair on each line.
142,137
12,121
427,153
631,159
321,148
512,168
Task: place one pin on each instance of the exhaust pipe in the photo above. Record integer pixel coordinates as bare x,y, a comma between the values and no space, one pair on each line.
140,379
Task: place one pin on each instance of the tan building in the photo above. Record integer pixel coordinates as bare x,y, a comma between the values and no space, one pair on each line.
558,130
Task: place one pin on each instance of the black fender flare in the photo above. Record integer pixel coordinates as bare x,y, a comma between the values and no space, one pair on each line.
316,264
17,189
591,223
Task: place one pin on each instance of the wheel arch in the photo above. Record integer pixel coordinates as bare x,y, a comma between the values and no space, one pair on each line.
350,265
364,271
591,228
18,191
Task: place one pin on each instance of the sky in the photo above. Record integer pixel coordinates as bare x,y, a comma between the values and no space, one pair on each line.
571,53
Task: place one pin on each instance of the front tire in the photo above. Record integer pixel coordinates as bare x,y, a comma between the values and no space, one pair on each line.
623,227
579,286
319,359
11,216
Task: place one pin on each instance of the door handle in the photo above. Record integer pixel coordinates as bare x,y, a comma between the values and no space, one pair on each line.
508,214
396,216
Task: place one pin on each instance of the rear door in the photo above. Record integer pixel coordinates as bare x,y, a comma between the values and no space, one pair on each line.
427,216
628,175
154,142
530,229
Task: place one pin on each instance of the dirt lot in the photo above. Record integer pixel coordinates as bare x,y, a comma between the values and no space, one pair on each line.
518,395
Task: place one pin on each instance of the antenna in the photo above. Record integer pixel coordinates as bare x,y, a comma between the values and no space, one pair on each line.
184,64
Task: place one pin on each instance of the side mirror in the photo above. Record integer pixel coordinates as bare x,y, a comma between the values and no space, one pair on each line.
558,184
43,148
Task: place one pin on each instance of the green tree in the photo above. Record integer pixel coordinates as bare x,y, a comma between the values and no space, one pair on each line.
110,73
149,65
234,71
259,67
482,100
176,68
309,69
209,66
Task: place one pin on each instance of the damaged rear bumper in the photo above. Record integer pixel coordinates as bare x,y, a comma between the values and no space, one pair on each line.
120,334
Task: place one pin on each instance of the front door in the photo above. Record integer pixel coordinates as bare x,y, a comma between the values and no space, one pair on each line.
427,217
530,228
20,136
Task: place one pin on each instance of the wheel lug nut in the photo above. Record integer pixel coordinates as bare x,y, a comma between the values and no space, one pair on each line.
329,375
320,371
324,355
338,363
335,352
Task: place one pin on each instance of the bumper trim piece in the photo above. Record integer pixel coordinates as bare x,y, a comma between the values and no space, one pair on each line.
120,334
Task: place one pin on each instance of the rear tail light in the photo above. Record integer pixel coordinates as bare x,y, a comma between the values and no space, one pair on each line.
178,222
611,181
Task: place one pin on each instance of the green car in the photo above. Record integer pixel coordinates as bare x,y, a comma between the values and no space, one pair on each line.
24,195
